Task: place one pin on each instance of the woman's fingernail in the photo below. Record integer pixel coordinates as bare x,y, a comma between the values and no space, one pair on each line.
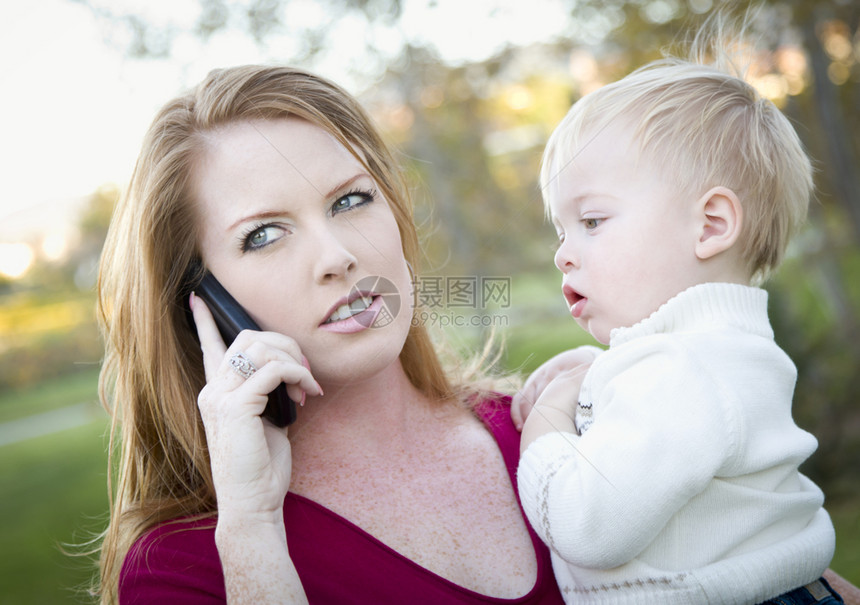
191,299
302,400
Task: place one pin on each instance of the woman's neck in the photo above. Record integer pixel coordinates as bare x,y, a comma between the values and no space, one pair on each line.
382,408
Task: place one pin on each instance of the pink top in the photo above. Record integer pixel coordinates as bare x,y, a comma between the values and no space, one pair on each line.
337,561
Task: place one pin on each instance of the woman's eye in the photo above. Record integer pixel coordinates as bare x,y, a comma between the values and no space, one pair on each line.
260,237
591,223
351,201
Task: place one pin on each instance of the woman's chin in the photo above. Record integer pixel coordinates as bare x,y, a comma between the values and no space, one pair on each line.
359,357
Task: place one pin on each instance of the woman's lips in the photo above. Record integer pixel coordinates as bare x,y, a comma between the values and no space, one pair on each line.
357,322
348,307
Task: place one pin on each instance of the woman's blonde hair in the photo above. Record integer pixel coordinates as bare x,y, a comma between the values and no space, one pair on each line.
153,366
702,125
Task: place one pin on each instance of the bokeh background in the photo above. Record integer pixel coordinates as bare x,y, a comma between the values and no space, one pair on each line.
469,92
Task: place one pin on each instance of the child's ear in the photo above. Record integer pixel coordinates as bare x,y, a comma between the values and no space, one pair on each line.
721,216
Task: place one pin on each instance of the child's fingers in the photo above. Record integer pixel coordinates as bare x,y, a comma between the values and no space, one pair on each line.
523,400
573,363
517,413
563,384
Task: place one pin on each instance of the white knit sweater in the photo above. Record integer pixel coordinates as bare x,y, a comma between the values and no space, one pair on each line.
684,488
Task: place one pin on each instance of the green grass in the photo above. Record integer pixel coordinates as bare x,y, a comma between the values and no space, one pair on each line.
54,494
80,387
846,520
533,328
528,347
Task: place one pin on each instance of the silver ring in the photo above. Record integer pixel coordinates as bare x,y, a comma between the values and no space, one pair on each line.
243,366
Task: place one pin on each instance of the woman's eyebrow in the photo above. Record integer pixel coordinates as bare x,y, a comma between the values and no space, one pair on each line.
346,183
267,214
258,216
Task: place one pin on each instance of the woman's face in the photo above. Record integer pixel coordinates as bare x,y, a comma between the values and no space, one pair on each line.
297,231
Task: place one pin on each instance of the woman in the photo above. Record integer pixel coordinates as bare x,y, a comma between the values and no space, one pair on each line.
400,479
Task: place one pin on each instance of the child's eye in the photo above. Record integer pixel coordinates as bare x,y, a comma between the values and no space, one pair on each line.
261,236
591,223
352,200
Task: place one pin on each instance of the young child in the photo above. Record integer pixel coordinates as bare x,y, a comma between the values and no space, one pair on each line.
672,477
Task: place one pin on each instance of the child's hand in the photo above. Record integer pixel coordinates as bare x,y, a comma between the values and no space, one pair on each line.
555,409
562,392
525,399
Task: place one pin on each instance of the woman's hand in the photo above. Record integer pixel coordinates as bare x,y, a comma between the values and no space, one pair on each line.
250,458
524,400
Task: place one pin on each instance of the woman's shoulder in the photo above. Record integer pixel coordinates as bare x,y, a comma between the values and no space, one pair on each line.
174,560
494,410
492,407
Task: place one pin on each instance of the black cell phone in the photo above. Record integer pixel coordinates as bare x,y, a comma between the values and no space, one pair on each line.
231,319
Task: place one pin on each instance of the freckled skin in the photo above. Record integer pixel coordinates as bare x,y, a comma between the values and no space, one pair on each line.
430,501
265,579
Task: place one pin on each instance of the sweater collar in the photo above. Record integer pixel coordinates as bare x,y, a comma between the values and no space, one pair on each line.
721,305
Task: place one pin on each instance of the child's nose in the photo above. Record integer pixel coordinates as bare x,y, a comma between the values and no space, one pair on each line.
566,257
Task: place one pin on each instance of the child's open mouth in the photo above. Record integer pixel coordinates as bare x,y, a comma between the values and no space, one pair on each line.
575,301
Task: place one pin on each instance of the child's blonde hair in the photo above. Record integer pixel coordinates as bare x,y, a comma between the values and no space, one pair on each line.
704,126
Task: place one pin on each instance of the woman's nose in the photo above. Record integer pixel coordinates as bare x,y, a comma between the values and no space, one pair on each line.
334,258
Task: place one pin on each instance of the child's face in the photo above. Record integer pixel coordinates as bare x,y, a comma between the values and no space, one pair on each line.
627,237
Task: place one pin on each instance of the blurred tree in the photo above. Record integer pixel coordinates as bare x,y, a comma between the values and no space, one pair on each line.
48,329
76,268
830,36
93,228
146,36
474,155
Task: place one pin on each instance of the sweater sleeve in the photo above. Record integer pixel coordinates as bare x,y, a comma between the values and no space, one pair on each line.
662,430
